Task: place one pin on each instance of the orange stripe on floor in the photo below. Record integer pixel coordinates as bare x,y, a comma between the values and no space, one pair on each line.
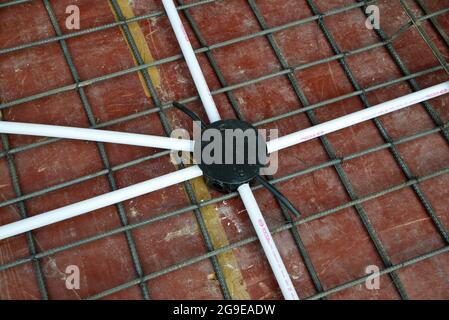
227,260
141,43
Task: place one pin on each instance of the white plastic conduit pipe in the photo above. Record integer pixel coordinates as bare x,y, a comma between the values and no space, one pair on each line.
245,192
357,117
134,139
267,242
95,203
192,62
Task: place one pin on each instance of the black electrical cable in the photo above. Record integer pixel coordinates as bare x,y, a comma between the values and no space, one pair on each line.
188,112
278,195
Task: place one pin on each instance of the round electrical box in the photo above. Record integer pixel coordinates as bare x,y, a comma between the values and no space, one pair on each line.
230,153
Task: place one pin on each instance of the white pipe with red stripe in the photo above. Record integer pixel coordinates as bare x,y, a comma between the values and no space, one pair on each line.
267,242
357,117
245,192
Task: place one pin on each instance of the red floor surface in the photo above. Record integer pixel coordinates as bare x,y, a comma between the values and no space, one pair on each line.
338,244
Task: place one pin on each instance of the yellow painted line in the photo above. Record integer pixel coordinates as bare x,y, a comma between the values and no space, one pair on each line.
228,261
141,43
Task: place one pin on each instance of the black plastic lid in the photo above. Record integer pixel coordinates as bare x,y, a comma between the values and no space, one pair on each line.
227,177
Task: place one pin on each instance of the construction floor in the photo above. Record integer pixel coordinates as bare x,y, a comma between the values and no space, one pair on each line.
376,193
